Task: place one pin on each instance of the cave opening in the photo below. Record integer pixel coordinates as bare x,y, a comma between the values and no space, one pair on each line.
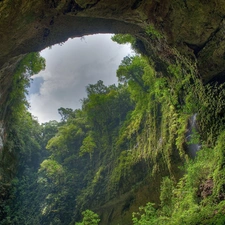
163,30
70,67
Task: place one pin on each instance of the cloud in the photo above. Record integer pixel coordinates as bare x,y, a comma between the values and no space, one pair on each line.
69,69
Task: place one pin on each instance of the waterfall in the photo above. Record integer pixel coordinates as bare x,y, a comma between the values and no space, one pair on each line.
1,135
192,147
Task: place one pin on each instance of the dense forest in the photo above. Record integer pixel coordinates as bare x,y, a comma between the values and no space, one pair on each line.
147,151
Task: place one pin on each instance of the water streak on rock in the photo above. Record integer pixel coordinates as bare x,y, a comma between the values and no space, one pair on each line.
191,134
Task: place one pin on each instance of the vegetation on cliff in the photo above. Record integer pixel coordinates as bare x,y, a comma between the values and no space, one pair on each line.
125,148
22,147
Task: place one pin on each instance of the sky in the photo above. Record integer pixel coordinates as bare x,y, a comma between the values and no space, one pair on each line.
69,69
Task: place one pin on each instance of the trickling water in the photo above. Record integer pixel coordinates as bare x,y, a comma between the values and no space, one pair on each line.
1,135
192,147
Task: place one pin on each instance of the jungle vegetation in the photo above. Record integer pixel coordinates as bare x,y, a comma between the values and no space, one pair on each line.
124,136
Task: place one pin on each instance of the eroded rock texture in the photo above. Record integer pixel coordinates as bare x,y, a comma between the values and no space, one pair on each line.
194,28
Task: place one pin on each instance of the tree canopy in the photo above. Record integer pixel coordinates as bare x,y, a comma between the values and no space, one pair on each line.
126,140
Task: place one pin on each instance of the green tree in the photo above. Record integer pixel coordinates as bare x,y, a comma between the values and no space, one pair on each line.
98,88
132,69
89,218
65,113
88,146
49,130
32,64
147,215
123,39
52,170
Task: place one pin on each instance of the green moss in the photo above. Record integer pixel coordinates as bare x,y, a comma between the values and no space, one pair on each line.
152,32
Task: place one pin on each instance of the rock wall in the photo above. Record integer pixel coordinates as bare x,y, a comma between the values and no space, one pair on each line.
195,28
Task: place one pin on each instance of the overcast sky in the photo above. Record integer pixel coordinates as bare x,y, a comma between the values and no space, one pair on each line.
69,69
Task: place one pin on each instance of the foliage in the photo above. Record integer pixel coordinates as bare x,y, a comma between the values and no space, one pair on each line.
151,31
123,167
135,44
125,39
65,113
89,218
31,64
52,170
124,137
82,151
88,146
197,197
132,69
17,121
22,143
147,217
175,98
